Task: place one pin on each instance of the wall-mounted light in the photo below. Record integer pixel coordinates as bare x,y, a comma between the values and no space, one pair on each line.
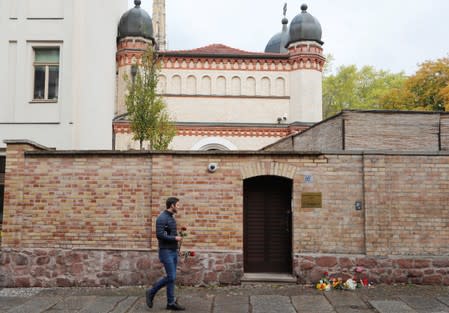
358,205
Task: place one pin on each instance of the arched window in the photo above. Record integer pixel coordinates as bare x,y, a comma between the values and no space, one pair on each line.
221,86
191,85
162,84
206,85
213,143
265,87
251,86
176,85
279,87
236,86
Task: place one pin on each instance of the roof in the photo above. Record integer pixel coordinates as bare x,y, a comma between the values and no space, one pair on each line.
220,50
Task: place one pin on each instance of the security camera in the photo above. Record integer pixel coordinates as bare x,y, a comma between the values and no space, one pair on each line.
212,167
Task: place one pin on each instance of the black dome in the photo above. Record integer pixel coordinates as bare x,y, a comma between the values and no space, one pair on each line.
305,27
136,22
278,42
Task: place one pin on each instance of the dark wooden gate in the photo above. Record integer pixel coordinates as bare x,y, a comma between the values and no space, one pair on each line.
267,225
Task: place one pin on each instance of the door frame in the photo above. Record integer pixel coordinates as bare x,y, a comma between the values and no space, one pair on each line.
274,178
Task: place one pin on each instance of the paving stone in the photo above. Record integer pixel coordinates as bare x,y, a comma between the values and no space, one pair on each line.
102,304
350,299
232,307
271,304
390,306
234,304
196,304
225,300
36,305
124,305
61,311
7,303
355,309
444,300
141,307
425,304
312,303
74,303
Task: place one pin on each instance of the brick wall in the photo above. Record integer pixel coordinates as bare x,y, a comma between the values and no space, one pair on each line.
323,136
407,210
107,201
373,131
77,201
391,131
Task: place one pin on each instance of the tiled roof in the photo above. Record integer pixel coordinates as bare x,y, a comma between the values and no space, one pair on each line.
220,49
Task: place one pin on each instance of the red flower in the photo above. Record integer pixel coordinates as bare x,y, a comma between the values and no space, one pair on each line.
192,253
326,273
183,228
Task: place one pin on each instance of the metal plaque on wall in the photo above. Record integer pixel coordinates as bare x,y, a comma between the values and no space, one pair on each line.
311,200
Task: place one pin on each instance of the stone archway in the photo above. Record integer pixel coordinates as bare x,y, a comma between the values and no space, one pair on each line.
268,169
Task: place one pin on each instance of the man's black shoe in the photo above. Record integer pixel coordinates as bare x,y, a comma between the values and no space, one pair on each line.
175,307
149,298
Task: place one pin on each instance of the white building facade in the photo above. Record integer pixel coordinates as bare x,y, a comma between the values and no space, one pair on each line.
58,71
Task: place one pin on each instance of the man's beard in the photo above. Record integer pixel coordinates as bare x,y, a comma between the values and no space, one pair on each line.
174,210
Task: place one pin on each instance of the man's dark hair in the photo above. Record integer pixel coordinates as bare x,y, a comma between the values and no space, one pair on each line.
171,201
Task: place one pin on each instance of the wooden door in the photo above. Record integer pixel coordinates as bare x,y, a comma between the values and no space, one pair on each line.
267,225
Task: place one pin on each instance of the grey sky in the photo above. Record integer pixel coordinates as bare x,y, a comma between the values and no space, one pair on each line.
393,35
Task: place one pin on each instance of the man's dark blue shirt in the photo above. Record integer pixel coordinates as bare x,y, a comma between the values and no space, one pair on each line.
166,231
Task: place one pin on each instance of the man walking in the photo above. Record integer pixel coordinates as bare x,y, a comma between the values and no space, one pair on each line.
167,236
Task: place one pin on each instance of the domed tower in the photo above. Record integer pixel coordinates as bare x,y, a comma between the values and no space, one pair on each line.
278,42
306,53
135,33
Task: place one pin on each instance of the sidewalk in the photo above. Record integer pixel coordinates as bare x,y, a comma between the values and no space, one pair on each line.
240,299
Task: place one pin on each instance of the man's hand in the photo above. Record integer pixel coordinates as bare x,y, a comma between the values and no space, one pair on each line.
178,238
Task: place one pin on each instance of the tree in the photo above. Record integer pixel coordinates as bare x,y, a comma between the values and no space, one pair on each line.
351,88
147,111
426,90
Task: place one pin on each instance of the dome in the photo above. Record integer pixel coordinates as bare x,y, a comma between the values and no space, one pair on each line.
136,23
304,27
278,42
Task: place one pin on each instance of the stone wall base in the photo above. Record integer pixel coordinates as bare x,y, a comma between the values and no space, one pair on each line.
388,270
94,268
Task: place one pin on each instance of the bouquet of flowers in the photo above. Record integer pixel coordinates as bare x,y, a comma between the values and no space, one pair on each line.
324,284
327,283
185,254
337,283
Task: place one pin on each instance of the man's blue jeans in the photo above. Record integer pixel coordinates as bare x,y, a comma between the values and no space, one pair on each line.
169,258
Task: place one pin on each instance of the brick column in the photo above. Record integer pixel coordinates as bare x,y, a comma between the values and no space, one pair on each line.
14,182
378,218
161,187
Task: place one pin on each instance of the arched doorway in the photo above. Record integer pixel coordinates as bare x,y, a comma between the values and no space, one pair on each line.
267,221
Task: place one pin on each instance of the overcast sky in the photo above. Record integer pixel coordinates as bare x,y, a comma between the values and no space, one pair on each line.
393,35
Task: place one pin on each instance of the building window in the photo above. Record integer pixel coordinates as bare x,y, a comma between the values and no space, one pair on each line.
46,74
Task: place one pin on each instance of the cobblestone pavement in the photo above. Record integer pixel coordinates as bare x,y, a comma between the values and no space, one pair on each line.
242,299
